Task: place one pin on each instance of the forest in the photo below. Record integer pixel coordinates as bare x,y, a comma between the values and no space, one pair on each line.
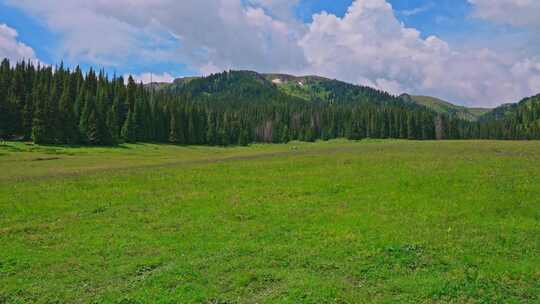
57,105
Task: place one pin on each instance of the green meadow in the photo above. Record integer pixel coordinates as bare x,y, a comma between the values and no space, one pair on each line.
328,222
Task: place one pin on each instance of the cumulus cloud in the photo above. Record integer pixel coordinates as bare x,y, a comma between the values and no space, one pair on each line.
368,45
207,33
91,34
11,48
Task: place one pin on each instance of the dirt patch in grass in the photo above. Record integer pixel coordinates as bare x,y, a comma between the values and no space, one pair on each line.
45,158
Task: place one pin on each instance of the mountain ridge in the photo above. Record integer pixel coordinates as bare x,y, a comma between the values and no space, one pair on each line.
444,107
323,89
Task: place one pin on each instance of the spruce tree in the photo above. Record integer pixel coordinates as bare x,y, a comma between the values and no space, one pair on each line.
92,129
174,136
129,130
67,118
104,132
89,122
112,124
40,133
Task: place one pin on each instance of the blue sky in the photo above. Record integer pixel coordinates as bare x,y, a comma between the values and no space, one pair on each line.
473,52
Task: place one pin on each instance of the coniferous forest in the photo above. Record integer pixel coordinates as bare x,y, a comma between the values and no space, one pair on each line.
56,105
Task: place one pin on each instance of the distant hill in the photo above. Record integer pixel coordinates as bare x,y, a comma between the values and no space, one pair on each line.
501,112
308,88
252,87
321,89
177,84
242,87
523,117
445,107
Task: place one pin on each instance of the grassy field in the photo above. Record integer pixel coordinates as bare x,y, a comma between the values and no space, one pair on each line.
334,222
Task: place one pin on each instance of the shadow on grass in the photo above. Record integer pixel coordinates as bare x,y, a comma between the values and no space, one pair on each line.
57,149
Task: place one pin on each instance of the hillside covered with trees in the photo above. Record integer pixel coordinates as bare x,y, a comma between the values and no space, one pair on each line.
56,105
513,121
444,107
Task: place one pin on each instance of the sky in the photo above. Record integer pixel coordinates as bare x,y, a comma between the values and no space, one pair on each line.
471,52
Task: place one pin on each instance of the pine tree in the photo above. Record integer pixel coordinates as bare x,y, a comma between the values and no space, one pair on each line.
129,130
285,134
92,129
89,127
211,132
112,124
104,132
174,134
67,119
40,133
3,119
411,127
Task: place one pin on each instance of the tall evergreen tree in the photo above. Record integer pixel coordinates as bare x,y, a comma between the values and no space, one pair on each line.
129,130
40,132
67,118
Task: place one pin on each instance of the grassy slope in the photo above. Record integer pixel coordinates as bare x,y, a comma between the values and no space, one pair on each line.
442,106
339,222
304,87
310,88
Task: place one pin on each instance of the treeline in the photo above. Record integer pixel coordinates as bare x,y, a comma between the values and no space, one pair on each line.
62,106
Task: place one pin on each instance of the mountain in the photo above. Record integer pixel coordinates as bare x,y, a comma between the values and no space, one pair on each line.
523,117
528,109
307,107
500,112
307,88
249,86
445,107
241,89
320,89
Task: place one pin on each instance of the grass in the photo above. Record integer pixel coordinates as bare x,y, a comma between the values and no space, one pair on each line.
329,222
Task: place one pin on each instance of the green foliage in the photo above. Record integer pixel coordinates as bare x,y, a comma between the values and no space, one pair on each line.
67,119
129,130
41,133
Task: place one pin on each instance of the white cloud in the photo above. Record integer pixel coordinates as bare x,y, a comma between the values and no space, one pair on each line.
220,33
370,45
279,9
90,35
513,12
11,48
150,77
417,10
